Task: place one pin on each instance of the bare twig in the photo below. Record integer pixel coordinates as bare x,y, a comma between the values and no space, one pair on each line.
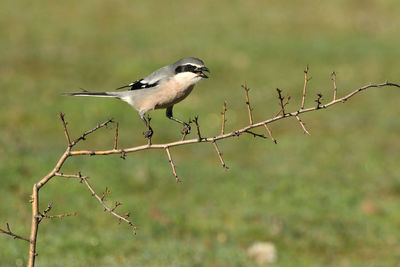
105,193
306,79
44,215
270,133
318,100
11,233
220,155
196,121
116,137
281,103
255,134
79,175
172,164
106,208
59,216
249,109
61,117
302,125
333,78
223,118
99,126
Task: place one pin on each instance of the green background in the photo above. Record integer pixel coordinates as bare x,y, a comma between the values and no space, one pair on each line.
331,198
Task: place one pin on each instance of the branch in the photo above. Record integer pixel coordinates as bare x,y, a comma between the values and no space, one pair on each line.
249,109
302,125
270,133
283,105
196,121
172,164
116,137
108,209
10,233
233,133
220,155
333,78
306,79
223,118
83,136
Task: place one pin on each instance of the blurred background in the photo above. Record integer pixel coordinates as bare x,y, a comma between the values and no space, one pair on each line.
331,198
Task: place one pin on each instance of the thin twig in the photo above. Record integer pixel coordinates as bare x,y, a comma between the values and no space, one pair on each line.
220,155
270,133
282,105
223,118
59,216
249,109
108,209
196,121
318,100
70,175
11,233
105,193
306,79
98,126
302,125
116,137
61,117
333,78
255,134
172,164
116,205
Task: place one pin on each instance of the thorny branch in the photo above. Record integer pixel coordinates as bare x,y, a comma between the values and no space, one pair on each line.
37,216
196,121
11,233
172,164
306,79
333,78
220,155
270,133
116,136
44,215
107,208
249,109
281,103
223,118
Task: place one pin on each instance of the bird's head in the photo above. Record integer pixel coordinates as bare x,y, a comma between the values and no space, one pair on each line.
191,65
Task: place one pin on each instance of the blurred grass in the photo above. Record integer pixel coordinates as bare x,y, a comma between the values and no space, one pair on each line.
328,199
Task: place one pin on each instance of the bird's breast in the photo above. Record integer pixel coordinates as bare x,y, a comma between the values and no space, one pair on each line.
175,90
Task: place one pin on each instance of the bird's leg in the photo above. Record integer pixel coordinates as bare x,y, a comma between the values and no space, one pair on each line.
149,133
186,127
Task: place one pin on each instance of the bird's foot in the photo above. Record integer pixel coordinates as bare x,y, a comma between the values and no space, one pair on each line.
148,134
186,129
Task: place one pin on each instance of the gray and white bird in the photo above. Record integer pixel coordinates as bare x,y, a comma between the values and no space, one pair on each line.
161,89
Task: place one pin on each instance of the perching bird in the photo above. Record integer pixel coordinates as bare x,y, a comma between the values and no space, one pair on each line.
161,89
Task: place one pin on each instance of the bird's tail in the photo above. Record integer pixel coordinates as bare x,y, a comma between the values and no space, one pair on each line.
95,94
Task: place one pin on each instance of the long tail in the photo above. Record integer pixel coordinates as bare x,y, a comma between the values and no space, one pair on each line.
95,94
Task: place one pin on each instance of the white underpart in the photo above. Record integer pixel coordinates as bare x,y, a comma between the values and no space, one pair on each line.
164,95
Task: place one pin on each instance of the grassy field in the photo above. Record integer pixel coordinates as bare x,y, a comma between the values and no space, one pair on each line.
332,198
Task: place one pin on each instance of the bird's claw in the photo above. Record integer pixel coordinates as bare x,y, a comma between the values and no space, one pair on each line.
148,134
186,129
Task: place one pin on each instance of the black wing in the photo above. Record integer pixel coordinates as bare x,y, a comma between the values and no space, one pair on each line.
139,84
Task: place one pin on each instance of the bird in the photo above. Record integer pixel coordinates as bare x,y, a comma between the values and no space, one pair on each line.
162,89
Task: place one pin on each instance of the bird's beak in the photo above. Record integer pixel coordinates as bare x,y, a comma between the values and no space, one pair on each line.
200,72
